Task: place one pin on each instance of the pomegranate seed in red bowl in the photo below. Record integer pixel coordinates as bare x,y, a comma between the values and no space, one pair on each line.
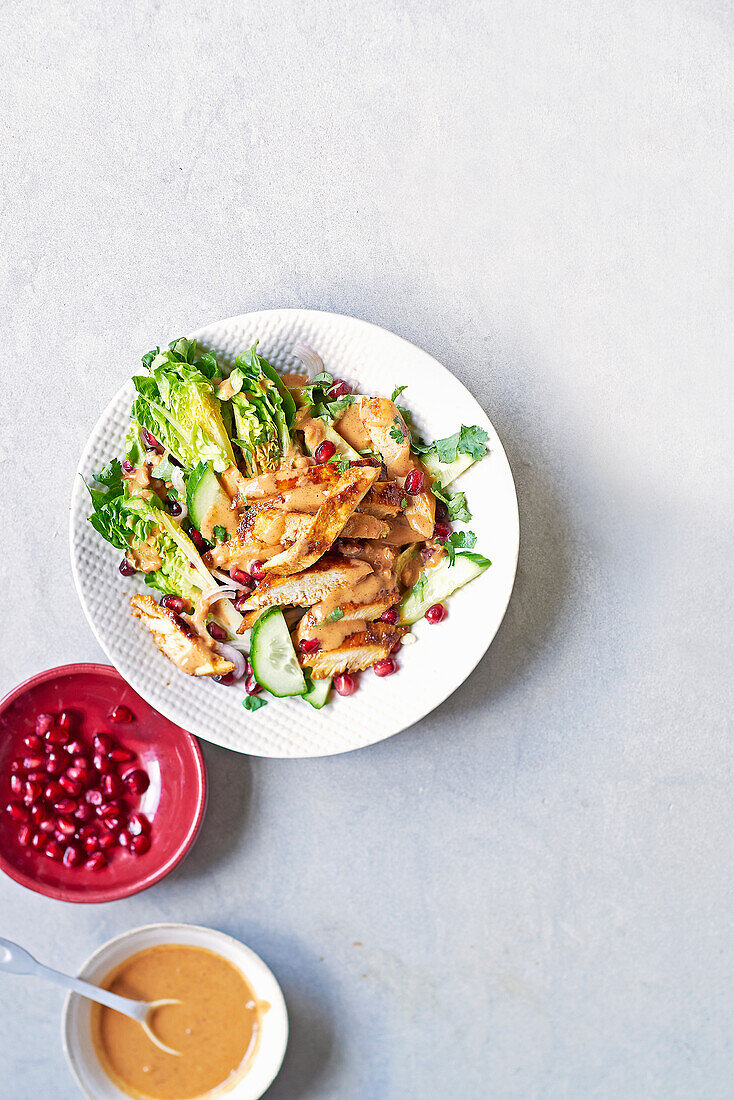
85,833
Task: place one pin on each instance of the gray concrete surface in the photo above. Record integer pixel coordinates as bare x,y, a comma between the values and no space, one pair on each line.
528,894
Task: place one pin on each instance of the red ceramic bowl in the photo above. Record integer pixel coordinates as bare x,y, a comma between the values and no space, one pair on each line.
174,802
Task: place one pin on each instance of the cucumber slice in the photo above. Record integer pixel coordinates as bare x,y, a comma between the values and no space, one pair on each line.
439,582
342,447
318,694
209,505
446,472
273,657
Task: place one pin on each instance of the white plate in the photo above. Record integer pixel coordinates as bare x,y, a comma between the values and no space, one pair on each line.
373,361
76,1020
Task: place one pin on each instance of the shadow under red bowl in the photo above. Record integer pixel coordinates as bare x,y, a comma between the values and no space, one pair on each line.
174,802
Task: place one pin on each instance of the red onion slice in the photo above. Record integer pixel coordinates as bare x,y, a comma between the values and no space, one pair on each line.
309,357
231,654
177,480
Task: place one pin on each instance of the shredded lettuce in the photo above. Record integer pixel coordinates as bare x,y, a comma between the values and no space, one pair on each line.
263,411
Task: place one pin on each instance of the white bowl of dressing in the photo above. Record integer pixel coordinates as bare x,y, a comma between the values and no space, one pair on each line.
247,1084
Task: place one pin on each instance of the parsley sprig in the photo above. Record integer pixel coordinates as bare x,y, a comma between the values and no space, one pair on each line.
456,504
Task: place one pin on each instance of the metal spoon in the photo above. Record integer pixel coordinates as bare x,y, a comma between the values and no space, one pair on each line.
16,960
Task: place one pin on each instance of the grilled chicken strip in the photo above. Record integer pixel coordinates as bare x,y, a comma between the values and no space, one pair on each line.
327,523
190,652
365,644
331,574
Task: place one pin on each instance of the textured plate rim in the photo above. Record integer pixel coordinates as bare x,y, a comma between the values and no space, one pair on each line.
129,675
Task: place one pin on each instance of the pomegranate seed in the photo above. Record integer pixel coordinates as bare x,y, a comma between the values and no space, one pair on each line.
339,389
65,719
38,777
174,603
16,768
345,684
127,467
251,685
150,440
59,735
139,844
61,837
79,776
54,850
66,826
77,747
65,805
37,814
218,633
436,613
71,786
385,667
32,792
124,839
32,763
16,785
241,601
173,506
138,824
120,756
103,764
53,791
84,812
309,645
44,723
38,842
91,843
87,830
126,568
241,577
17,812
102,743
34,742
441,531
25,834
396,647
112,785
47,825
390,616
257,572
414,482
442,511
114,806
325,451
107,840
56,763
136,781
97,861
228,678
120,713
72,856
112,822
94,797
198,540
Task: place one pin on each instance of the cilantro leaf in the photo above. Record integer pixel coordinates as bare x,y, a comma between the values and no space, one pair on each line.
320,385
396,392
458,540
468,441
397,432
221,534
336,615
253,702
341,463
456,504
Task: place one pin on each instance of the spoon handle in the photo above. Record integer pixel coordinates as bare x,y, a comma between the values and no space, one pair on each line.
136,1010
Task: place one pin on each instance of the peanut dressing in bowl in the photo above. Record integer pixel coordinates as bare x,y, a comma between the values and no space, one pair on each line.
216,1027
